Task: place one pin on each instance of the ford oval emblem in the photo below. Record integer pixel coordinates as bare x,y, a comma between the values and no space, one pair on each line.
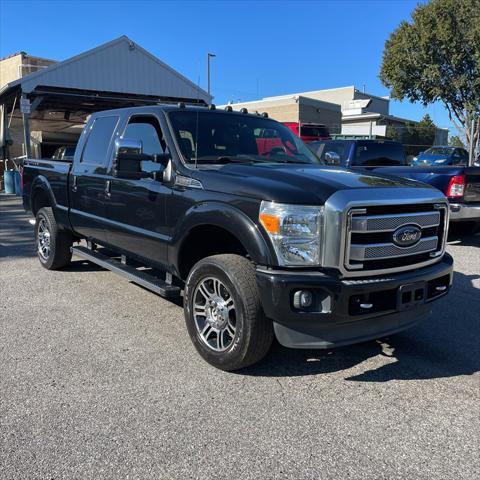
407,236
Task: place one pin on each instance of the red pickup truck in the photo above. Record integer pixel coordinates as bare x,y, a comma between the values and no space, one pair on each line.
309,132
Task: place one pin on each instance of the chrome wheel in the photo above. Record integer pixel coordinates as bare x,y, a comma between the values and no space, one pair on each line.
214,314
43,239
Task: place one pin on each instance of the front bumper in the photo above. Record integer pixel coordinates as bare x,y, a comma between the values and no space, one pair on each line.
464,212
347,311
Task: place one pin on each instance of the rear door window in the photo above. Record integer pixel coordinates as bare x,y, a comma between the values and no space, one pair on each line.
378,154
98,141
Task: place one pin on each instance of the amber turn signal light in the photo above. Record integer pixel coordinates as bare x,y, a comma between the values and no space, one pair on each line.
270,222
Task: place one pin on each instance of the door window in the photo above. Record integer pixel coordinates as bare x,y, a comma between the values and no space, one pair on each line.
147,130
98,141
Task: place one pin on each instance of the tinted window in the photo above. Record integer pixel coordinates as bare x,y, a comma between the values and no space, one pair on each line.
96,149
147,133
218,138
378,154
69,152
318,131
460,157
341,148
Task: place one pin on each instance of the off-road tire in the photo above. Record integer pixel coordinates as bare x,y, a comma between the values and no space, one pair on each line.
254,332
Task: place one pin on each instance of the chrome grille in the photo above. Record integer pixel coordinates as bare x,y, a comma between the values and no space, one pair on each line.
385,223
369,245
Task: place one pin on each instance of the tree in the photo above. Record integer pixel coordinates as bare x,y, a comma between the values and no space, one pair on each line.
414,135
456,141
436,57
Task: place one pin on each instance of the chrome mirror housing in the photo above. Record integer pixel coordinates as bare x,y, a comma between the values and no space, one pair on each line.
332,158
128,146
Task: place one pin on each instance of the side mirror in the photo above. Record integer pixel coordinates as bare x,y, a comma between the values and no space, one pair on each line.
332,158
128,158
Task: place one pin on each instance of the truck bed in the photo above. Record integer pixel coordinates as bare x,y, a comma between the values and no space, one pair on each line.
52,172
440,177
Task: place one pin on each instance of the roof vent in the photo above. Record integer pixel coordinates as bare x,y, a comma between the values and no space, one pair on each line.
212,107
265,114
228,108
181,105
243,110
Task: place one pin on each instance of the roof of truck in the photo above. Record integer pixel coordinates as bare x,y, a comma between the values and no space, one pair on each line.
170,107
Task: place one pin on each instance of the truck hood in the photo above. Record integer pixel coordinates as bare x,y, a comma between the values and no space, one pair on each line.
305,184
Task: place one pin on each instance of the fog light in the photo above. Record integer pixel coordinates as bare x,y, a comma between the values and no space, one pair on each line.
302,299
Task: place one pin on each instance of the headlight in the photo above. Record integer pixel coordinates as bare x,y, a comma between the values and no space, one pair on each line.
295,231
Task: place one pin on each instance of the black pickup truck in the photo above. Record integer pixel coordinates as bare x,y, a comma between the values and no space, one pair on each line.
232,211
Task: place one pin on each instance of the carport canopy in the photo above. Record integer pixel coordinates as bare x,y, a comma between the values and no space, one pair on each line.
60,97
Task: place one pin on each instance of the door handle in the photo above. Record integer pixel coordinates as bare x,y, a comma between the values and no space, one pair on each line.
108,187
74,184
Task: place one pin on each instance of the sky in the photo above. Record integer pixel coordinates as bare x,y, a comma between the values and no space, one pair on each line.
262,48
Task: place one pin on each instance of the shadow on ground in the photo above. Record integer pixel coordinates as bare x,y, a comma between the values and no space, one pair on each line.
457,236
16,234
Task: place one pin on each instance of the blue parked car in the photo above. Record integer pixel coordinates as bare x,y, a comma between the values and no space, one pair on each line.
437,156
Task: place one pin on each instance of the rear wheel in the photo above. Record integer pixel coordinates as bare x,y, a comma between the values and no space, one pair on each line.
52,244
223,313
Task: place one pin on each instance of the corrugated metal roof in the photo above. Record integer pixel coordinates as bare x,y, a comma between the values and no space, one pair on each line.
119,66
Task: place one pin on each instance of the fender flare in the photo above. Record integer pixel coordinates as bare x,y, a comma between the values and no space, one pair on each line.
41,183
228,218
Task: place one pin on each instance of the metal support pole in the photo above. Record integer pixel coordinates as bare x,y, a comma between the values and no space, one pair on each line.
26,131
209,56
471,149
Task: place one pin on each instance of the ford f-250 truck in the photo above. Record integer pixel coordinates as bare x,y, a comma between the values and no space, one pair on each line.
182,200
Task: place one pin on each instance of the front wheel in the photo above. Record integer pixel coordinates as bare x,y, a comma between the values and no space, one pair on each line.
52,243
223,313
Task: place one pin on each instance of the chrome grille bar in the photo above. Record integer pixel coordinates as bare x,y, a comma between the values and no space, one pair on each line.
380,251
388,223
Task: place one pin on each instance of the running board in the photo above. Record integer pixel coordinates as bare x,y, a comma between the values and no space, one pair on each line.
140,278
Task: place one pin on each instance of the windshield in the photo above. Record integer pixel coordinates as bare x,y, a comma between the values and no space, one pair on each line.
439,151
218,138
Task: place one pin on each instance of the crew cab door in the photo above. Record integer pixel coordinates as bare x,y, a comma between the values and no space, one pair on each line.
136,208
88,179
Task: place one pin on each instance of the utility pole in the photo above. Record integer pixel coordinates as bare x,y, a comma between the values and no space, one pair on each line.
472,145
209,56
